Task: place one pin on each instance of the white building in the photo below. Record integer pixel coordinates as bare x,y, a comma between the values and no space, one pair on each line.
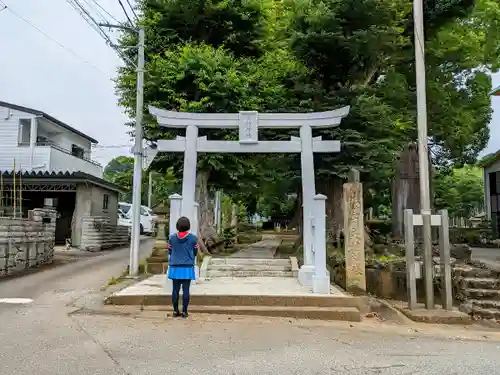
41,143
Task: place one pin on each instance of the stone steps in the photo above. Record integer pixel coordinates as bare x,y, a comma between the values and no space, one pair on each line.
248,267
351,314
249,261
486,313
485,304
252,267
247,273
482,294
480,283
228,300
474,272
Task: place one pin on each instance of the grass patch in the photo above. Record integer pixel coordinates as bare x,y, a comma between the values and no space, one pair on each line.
249,237
117,280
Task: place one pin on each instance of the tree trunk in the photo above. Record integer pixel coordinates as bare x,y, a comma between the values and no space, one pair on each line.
405,189
296,221
202,199
332,187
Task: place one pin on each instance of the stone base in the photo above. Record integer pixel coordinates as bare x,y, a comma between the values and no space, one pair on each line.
434,316
306,274
321,284
197,275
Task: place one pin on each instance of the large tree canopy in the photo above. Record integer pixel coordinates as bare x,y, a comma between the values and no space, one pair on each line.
315,55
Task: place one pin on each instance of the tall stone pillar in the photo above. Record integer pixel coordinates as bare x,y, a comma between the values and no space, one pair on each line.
321,277
354,232
175,212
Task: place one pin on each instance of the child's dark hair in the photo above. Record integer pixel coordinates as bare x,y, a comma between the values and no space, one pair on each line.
183,224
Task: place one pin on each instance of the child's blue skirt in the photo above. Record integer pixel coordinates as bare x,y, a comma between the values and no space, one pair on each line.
181,273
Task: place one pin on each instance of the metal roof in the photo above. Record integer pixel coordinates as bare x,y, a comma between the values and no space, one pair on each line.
44,177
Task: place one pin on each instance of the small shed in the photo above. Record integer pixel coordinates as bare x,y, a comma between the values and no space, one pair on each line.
74,195
491,177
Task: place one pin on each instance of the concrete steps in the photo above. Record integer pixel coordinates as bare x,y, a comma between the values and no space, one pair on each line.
247,273
248,267
350,314
249,261
254,267
346,308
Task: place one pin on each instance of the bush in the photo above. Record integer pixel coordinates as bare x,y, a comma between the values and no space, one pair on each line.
471,236
228,237
379,230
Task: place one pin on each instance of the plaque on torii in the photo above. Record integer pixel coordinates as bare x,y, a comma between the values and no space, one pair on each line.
248,124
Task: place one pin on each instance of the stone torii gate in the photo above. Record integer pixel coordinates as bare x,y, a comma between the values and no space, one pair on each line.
249,123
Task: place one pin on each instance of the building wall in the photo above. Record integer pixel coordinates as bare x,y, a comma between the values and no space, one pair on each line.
89,202
98,209
495,167
41,158
62,161
10,150
27,243
99,234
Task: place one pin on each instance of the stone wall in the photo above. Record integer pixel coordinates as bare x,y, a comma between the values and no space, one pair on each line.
98,234
27,243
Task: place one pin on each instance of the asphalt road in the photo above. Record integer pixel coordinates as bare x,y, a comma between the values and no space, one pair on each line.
41,338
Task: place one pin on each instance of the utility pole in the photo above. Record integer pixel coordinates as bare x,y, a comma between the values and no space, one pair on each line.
136,189
423,151
150,189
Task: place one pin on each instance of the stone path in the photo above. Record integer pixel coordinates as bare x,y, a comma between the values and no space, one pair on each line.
263,249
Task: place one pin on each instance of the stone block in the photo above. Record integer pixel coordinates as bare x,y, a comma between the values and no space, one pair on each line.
354,232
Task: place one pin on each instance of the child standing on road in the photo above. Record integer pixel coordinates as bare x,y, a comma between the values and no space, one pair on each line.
182,249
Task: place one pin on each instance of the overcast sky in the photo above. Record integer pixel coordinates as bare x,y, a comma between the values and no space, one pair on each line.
37,72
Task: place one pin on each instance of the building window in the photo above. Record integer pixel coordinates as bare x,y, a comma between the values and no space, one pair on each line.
105,202
77,151
24,131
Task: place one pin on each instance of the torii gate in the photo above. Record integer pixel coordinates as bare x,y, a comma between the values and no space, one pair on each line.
248,123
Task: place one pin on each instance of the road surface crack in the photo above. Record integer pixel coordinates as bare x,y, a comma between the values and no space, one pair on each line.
104,349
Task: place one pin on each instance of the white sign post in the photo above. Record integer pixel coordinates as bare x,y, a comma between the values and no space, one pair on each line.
248,123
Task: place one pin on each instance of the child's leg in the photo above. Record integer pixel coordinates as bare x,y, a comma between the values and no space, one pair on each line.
176,287
185,295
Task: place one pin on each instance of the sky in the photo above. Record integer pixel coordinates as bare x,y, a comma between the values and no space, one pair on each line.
66,69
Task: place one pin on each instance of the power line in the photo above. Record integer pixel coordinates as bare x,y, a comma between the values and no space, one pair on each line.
85,14
125,11
54,40
104,10
133,11
97,11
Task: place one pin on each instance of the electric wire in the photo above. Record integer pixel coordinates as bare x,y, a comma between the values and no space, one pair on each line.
9,9
85,14
133,11
125,11
105,11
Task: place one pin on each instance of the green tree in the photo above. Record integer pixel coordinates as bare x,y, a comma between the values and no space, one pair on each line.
120,171
211,56
360,53
460,192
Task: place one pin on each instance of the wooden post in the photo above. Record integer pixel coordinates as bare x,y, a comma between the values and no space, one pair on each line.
354,241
